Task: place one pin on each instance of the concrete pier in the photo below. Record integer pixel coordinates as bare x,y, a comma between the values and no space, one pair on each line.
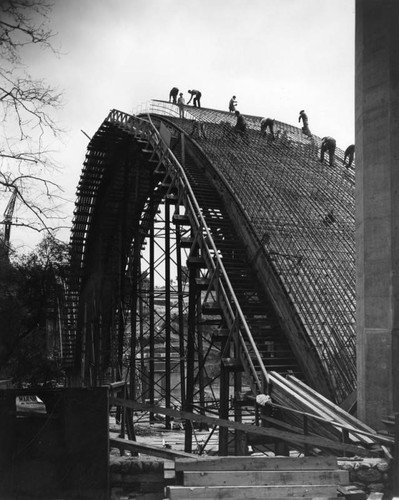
377,200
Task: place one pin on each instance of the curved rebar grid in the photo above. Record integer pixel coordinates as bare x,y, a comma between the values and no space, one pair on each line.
286,195
303,212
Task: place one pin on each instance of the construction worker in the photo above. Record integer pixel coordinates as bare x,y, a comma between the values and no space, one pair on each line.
305,122
181,103
232,104
349,153
241,127
196,94
267,123
328,144
198,130
173,94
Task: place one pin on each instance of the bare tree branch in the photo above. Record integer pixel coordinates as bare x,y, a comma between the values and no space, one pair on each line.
28,122
19,26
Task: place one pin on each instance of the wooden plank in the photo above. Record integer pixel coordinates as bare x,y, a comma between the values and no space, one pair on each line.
155,451
256,463
350,419
249,492
374,495
264,431
328,410
261,478
302,398
306,400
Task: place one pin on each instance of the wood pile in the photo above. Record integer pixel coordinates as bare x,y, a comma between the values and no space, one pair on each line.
252,478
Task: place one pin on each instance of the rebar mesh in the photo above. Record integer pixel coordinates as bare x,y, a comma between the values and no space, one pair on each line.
303,212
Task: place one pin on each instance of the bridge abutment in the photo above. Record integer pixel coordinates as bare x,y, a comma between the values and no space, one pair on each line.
377,206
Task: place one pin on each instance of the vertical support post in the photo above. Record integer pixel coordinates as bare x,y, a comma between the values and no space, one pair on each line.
180,291
152,313
122,261
141,334
167,313
133,314
180,282
190,357
224,402
240,441
133,331
121,339
200,359
377,207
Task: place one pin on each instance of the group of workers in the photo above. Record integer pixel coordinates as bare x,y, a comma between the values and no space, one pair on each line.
328,144
180,101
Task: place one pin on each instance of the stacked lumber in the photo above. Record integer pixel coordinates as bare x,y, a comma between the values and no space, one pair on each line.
252,478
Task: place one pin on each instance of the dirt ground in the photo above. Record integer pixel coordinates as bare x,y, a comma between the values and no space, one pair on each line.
157,435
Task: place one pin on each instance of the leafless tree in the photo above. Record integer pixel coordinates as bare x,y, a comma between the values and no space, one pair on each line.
28,124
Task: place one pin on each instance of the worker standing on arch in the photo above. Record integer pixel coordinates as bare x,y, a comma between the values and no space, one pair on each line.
181,103
232,104
196,94
173,95
305,123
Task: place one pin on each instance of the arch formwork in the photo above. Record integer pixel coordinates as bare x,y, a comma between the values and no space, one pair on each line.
260,238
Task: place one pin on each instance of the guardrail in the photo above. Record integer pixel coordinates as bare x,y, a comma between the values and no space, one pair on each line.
227,299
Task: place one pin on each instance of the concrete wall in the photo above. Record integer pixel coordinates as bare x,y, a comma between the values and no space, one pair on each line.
377,199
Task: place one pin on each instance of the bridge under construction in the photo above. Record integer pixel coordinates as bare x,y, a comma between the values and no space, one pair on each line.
248,244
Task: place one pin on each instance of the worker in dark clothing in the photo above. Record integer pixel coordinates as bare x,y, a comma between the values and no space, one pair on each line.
232,104
328,144
173,95
196,94
349,153
198,130
305,122
241,127
267,123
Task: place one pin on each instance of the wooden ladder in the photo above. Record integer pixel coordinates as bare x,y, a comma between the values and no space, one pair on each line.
252,478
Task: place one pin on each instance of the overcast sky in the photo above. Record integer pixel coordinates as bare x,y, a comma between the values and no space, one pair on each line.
276,56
